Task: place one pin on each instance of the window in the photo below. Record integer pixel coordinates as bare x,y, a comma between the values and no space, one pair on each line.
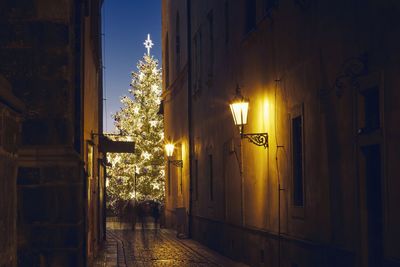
211,178
90,160
210,20
297,158
369,105
226,18
197,62
250,15
101,199
196,179
371,109
372,165
169,179
166,62
180,182
90,166
268,5
177,45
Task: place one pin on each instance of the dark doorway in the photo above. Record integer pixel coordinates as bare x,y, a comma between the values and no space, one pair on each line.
373,182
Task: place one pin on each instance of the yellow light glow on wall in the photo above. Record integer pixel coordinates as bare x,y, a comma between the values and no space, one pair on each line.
183,148
266,118
261,114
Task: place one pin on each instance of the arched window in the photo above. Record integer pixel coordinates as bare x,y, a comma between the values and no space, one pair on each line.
166,61
177,44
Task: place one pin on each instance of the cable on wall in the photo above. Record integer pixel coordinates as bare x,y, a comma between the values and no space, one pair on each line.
103,67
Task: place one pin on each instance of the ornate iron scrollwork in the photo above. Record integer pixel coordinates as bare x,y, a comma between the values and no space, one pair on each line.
259,139
351,70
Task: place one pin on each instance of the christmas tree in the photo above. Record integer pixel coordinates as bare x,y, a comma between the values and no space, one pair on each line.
140,175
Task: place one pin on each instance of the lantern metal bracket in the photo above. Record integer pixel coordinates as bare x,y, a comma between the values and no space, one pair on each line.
259,139
177,163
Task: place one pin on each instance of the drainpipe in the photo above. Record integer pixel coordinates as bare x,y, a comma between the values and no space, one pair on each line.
189,95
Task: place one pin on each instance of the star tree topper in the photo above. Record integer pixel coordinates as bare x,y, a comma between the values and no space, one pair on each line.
148,43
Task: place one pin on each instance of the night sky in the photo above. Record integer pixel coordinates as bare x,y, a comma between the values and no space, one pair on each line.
126,24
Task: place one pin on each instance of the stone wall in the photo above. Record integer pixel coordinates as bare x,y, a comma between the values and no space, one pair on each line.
42,48
8,191
316,63
9,138
51,210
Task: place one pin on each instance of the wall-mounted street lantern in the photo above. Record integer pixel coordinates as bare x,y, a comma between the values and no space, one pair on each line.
239,108
169,149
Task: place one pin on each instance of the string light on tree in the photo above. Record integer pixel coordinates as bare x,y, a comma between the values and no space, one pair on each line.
139,118
146,155
141,76
154,87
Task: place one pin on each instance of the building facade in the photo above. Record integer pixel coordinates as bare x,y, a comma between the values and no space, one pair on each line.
175,105
321,78
11,110
50,53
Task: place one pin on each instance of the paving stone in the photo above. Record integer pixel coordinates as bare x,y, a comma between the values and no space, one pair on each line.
155,247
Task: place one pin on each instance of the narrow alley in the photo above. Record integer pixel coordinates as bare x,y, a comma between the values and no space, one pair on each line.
155,247
267,131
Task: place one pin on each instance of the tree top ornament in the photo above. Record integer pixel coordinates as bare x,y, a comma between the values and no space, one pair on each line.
148,43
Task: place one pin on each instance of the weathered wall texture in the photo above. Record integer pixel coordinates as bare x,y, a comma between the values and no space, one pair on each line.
51,208
54,71
176,118
333,64
10,115
92,118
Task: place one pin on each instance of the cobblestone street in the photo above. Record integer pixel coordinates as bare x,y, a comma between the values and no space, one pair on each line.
155,247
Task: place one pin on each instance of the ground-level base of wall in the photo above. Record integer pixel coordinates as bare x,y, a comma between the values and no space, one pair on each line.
8,203
176,219
51,208
260,248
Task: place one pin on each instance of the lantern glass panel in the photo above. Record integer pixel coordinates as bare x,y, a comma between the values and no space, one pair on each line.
239,112
169,149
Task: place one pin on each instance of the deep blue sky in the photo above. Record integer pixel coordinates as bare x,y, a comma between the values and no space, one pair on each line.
126,24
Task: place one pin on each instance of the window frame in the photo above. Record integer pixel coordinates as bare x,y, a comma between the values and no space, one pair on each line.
210,176
196,179
211,38
167,66
226,21
297,211
197,62
177,44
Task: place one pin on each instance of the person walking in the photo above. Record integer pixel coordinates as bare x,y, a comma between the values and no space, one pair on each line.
140,213
131,213
155,213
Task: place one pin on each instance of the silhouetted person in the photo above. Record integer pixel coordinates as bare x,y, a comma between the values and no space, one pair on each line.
155,213
140,214
162,216
130,212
